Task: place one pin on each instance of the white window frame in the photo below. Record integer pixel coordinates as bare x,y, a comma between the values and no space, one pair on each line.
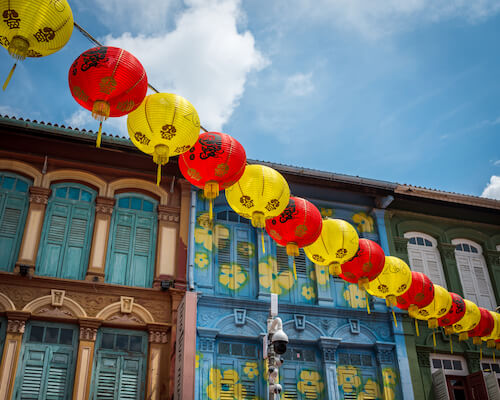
432,251
478,256
490,361
436,356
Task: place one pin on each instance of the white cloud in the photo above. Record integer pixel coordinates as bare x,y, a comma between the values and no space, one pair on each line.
492,189
83,119
497,162
204,59
299,84
375,18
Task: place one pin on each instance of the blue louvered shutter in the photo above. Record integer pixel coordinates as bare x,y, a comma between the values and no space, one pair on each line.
13,209
32,375
132,242
65,245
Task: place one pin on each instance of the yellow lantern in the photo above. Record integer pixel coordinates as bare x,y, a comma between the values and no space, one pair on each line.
469,321
337,243
490,339
164,125
260,194
438,307
394,280
34,28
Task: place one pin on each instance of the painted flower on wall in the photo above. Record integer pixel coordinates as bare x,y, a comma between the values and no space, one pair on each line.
203,233
364,222
310,384
308,292
326,212
269,278
320,274
245,249
224,384
354,296
251,369
198,357
201,260
371,391
389,376
348,378
232,276
389,394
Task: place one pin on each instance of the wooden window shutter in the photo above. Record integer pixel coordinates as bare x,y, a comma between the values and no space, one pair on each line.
440,386
466,278
13,208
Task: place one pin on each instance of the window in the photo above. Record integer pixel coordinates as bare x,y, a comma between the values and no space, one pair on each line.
490,365
132,241
242,358
302,290
473,273
47,362
67,232
14,202
235,255
450,364
424,256
119,365
357,375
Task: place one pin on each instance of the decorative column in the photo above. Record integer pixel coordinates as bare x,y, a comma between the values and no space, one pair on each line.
206,348
385,359
182,244
88,335
167,244
328,347
97,262
39,197
16,322
158,361
423,382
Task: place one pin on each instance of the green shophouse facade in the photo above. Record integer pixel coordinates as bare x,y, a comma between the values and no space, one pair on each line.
455,240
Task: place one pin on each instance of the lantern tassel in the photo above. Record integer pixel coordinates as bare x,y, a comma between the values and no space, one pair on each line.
416,327
210,210
451,344
367,303
158,175
9,76
263,243
294,269
99,133
395,319
434,337
494,356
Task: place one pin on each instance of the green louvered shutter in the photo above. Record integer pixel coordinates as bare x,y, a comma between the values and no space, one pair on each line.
107,377
59,374
142,257
120,247
32,377
129,384
14,203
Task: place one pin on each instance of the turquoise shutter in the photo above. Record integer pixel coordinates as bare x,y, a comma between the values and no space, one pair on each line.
242,239
32,376
79,233
132,247
107,376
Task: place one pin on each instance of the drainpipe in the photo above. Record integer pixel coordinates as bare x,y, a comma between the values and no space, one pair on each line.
192,223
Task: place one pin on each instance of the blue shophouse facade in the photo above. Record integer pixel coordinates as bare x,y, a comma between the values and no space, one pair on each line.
336,350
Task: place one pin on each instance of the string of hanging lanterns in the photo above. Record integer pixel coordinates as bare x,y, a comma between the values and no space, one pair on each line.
111,82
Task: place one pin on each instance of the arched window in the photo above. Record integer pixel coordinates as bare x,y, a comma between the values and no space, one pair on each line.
132,241
424,256
474,273
234,255
67,232
14,202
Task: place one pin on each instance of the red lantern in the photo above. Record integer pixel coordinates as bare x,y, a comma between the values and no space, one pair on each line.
457,311
108,81
214,163
484,328
365,266
297,226
420,294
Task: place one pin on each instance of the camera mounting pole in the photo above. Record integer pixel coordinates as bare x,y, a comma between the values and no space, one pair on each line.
274,345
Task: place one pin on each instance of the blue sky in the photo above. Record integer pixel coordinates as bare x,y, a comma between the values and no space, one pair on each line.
407,92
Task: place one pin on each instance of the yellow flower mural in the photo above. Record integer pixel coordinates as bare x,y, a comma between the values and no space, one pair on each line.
389,376
308,292
232,276
270,279
320,274
245,249
251,369
224,384
355,297
326,212
203,233
198,357
389,394
371,390
348,378
364,222
310,384
201,260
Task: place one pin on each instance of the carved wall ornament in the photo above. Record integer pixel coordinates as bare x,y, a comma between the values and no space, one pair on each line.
159,337
39,195
168,214
126,319
104,205
424,359
447,250
57,297
89,334
57,312
493,257
126,304
16,326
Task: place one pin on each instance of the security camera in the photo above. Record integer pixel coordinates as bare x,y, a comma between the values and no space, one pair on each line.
273,374
275,389
280,340
279,362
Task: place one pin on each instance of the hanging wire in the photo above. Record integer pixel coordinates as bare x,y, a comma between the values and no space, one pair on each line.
95,41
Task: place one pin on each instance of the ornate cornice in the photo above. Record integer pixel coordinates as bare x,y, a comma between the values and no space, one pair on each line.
104,205
493,257
39,195
169,214
16,321
447,250
158,333
88,328
401,244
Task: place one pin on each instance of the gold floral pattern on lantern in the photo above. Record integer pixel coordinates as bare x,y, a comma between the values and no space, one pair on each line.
107,84
221,169
194,174
300,230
